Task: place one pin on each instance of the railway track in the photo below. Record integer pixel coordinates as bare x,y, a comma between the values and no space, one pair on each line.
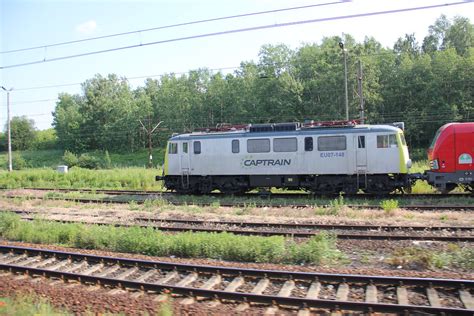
112,200
213,285
295,230
259,194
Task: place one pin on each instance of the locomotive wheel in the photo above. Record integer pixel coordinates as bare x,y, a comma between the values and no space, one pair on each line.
205,186
406,190
350,189
325,189
229,187
378,189
449,188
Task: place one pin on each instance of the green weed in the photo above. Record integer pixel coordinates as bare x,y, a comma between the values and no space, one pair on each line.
147,205
28,305
247,209
129,178
334,207
133,205
422,258
166,309
215,204
148,241
389,206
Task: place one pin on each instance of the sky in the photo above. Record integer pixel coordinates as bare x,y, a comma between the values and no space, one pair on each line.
35,23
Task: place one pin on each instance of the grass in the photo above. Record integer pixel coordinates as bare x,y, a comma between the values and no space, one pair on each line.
28,305
125,178
22,304
422,258
52,158
148,241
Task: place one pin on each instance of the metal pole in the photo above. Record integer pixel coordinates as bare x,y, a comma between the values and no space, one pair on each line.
361,96
344,51
8,129
149,133
345,83
10,167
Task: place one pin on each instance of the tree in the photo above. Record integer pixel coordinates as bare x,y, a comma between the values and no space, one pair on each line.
408,45
23,133
444,34
435,40
423,86
67,121
46,139
460,35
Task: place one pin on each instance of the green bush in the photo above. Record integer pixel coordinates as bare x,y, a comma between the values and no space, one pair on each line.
70,159
46,139
223,246
107,160
88,162
18,162
8,221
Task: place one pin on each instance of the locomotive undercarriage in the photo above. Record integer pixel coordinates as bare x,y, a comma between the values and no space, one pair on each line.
446,182
321,185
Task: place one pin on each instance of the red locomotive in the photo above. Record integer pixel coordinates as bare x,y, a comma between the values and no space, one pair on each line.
451,157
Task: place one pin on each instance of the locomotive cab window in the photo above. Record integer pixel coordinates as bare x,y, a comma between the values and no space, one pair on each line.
361,142
197,147
308,144
258,145
283,145
173,148
185,148
328,143
387,141
235,146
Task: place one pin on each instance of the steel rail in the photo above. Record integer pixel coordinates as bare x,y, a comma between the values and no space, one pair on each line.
279,225
240,204
259,194
241,296
266,233
306,276
306,225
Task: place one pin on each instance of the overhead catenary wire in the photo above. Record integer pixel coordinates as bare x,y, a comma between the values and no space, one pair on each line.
174,25
235,31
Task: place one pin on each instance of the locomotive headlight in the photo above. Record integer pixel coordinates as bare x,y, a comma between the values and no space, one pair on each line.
409,164
434,164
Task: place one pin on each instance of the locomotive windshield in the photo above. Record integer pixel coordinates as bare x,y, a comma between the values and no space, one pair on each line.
435,138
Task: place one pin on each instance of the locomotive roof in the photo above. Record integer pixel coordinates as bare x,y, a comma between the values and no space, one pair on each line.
303,131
